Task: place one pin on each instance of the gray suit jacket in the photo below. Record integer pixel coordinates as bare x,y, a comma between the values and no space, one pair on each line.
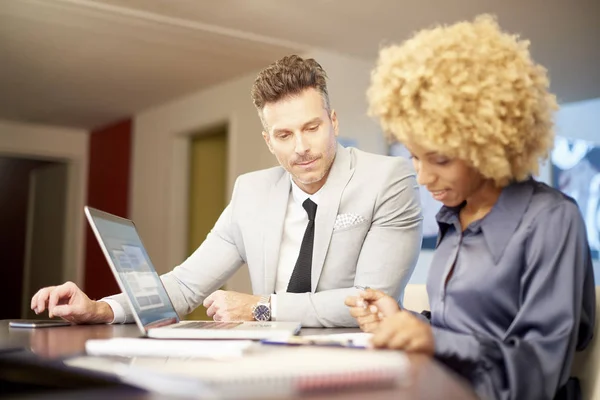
379,251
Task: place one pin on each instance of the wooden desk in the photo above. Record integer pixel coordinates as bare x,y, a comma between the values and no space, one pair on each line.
429,379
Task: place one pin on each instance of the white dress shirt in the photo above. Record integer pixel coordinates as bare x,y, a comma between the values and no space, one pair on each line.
296,220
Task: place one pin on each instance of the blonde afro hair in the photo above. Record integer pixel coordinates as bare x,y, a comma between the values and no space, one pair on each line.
468,91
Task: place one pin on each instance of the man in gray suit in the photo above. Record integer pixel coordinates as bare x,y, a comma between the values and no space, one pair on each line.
326,222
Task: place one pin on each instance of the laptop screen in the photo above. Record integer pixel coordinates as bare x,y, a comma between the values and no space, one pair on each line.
137,275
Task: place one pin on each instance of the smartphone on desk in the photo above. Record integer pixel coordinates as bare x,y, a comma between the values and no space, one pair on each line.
37,323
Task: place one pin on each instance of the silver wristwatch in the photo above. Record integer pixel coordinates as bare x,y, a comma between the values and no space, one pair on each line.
262,310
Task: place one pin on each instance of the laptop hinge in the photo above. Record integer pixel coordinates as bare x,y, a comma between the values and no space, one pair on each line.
161,322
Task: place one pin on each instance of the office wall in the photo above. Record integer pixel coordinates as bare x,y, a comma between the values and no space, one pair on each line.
108,190
160,173
580,120
64,144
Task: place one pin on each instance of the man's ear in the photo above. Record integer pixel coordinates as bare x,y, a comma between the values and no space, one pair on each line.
334,122
268,141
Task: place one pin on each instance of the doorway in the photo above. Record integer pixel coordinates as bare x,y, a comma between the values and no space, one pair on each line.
207,189
33,198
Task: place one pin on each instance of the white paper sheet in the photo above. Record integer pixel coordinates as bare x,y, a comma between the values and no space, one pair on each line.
134,347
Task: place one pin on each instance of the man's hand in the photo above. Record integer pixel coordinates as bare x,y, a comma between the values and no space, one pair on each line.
230,306
370,307
71,304
404,331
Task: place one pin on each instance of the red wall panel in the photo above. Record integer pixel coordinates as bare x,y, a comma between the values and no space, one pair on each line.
108,190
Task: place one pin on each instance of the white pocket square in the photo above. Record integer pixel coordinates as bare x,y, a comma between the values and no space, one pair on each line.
347,220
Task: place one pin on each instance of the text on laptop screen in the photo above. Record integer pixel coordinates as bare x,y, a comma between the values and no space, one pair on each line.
137,274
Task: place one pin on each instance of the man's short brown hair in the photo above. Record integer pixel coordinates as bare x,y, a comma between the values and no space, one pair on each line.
287,77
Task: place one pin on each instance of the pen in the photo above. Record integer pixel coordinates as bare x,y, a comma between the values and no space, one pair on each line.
299,341
364,304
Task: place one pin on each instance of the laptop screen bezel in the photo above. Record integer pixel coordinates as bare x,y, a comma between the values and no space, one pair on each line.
92,213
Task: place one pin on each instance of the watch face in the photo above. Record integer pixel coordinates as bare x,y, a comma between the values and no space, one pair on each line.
262,313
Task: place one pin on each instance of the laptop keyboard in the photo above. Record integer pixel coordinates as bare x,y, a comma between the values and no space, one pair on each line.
207,325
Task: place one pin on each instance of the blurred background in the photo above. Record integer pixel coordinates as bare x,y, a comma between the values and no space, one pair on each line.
142,108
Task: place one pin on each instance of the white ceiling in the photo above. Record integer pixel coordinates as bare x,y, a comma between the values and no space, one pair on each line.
86,63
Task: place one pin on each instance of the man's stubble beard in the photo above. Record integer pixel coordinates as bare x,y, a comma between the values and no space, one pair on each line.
332,149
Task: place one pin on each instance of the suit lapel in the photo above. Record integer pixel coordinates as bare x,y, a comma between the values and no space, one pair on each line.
327,210
276,208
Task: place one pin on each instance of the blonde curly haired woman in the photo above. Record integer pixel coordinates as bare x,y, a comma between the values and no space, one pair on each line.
511,285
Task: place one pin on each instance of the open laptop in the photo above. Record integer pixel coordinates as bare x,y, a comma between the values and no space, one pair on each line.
151,306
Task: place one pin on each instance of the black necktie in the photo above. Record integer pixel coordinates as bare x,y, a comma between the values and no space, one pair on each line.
300,279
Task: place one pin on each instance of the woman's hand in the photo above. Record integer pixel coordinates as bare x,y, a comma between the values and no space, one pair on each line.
404,331
370,307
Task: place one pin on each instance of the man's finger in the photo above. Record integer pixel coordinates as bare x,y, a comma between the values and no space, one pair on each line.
209,300
212,310
41,292
34,299
65,311
59,293
225,316
42,300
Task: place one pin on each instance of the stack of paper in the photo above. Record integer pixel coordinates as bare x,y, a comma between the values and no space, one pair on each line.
132,347
263,372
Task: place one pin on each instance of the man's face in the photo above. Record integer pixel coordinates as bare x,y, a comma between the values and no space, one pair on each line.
301,133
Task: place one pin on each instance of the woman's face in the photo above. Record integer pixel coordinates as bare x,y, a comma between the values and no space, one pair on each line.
450,181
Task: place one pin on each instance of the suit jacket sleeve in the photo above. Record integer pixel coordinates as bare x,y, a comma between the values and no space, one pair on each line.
207,269
386,261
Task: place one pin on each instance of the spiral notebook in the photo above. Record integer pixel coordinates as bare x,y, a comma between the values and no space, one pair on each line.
267,373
